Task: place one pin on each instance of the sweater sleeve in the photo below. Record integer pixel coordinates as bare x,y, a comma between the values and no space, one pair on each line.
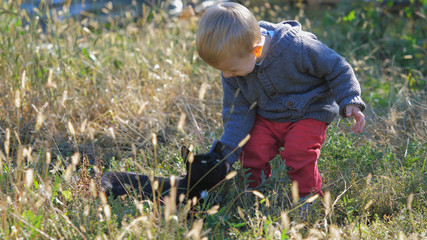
238,118
323,62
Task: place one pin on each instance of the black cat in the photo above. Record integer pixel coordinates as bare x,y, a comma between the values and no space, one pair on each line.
203,173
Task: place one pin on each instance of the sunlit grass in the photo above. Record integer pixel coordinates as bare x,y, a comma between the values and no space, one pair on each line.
76,101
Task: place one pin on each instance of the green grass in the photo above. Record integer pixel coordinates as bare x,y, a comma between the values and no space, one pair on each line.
77,101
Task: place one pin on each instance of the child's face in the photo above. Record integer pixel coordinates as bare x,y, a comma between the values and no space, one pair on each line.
237,66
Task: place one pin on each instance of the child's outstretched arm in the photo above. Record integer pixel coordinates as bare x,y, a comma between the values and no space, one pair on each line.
354,110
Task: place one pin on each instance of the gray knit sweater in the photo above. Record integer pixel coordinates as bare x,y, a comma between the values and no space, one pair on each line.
299,78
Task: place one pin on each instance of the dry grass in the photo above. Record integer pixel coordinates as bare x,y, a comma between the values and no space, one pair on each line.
76,101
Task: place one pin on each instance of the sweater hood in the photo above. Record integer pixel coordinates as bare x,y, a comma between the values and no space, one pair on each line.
285,25
282,29
284,34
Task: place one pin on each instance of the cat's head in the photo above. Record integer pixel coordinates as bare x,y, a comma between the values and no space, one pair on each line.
205,170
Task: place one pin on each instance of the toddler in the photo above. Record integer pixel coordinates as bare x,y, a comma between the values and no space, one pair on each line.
282,86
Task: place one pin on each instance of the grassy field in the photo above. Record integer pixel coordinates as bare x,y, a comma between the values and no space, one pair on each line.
78,100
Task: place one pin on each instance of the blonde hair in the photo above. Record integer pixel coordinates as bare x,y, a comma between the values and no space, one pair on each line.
225,30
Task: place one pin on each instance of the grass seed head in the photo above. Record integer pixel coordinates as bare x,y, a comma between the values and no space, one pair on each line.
23,80
113,134
17,98
170,201
103,198
39,121
70,128
142,108
258,194
7,142
107,211
231,175
334,232
181,198
83,126
312,198
202,91
244,141
50,83
86,210
327,201
75,159
190,158
286,222
194,201
92,188
181,122
154,139
368,179
27,153
368,204
29,177
240,212
48,158
213,210
295,192
196,230
69,172
91,133
64,98
409,201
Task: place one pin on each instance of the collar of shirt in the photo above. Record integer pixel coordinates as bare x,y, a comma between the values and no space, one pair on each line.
265,33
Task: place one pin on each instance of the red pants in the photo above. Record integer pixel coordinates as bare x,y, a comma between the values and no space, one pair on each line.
301,140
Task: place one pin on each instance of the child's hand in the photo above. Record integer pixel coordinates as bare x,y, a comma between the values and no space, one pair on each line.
354,110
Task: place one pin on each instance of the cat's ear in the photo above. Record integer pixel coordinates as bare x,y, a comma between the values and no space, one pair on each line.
218,147
185,153
187,156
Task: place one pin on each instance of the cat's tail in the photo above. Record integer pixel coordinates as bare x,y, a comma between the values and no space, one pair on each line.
119,183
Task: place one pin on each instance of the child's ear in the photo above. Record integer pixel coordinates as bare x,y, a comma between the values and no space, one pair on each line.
257,50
